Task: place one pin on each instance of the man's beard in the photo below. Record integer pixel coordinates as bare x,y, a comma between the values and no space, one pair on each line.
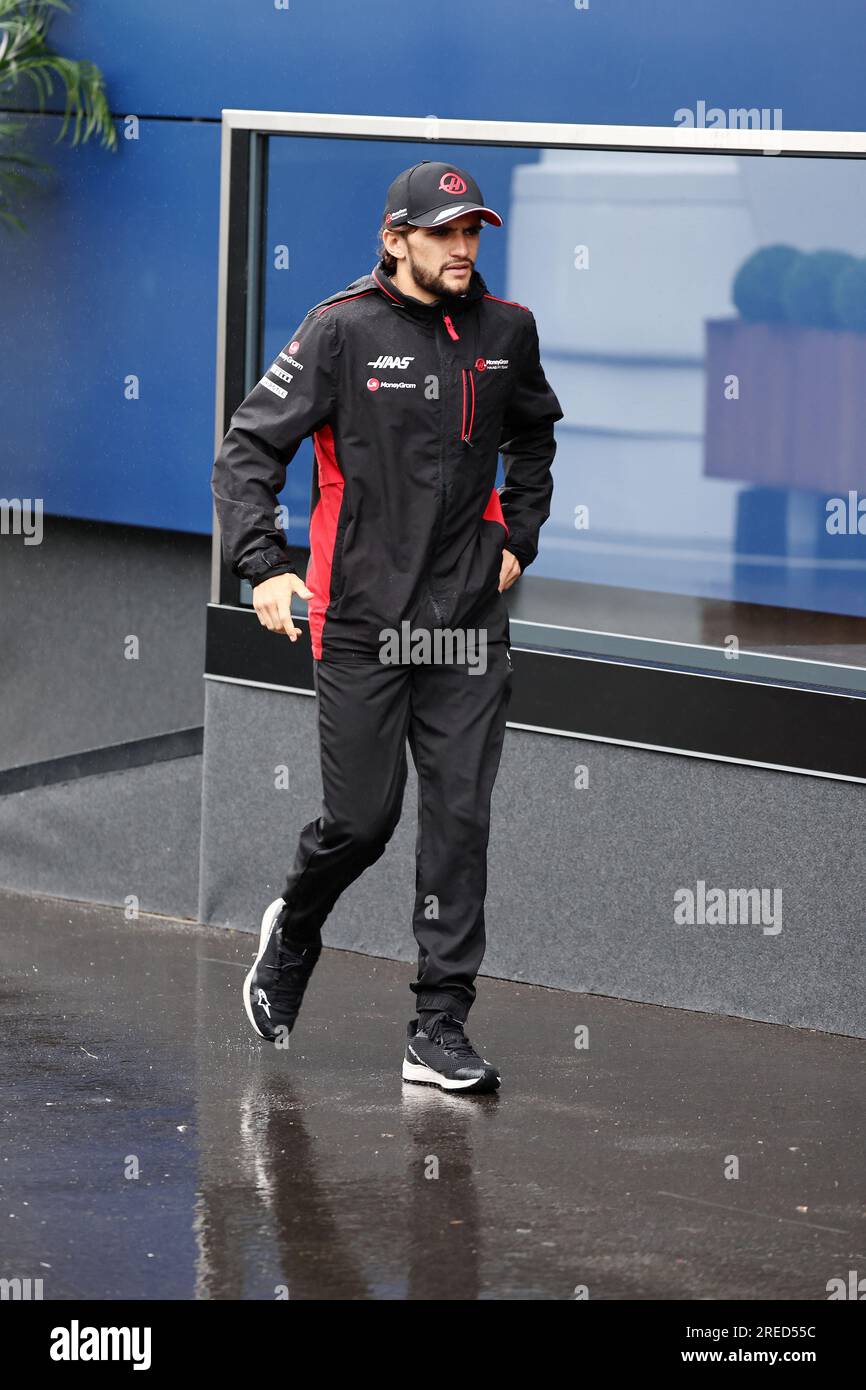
429,280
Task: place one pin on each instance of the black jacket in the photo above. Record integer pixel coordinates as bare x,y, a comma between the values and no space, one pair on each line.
409,405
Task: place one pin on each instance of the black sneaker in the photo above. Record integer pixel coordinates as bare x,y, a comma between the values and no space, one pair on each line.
275,986
443,1056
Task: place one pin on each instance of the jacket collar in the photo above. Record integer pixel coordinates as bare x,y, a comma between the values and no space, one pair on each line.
450,304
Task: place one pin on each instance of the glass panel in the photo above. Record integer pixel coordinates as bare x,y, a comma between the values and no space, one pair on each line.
705,513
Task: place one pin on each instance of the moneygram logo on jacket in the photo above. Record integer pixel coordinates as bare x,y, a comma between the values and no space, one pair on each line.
409,405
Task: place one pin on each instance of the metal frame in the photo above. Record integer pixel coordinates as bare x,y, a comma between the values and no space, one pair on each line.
823,751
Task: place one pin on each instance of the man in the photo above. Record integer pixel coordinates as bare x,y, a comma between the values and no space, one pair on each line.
411,381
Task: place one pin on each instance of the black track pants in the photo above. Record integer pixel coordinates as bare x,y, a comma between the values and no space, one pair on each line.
454,720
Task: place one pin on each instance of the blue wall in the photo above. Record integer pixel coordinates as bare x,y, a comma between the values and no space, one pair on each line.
118,274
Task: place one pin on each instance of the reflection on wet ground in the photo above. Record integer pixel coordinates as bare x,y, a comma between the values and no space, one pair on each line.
154,1148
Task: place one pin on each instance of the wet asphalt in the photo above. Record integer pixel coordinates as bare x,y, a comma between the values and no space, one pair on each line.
154,1148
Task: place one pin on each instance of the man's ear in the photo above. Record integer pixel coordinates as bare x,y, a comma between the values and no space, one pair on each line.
397,249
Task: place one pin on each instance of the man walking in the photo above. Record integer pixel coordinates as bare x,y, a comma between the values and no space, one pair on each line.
410,381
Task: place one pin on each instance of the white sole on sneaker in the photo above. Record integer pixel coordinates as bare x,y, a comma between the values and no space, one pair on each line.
414,1071
271,914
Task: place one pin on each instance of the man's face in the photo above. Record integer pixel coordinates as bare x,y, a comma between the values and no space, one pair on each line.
441,259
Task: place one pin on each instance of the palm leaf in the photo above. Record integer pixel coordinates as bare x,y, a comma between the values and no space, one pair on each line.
25,55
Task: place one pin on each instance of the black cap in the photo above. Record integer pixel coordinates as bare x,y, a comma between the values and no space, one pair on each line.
429,194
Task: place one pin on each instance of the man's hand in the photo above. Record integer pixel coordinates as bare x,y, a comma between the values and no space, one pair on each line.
272,600
509,571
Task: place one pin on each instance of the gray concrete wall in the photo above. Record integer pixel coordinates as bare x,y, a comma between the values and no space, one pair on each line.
68,607
582,882
107,838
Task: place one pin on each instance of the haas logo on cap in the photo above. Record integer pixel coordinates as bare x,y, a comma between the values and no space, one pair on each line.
452,183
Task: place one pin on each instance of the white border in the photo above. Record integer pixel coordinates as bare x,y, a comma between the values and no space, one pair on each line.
546,133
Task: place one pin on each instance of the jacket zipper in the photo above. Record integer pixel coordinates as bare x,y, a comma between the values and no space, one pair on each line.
440,491
455,337
466,433
465,372
467,378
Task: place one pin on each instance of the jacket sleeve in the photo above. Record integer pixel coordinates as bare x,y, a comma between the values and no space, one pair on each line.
288,403
528,446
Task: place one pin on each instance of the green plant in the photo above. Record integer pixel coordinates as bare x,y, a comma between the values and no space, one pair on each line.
849,297
808,288
25,53
758,283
